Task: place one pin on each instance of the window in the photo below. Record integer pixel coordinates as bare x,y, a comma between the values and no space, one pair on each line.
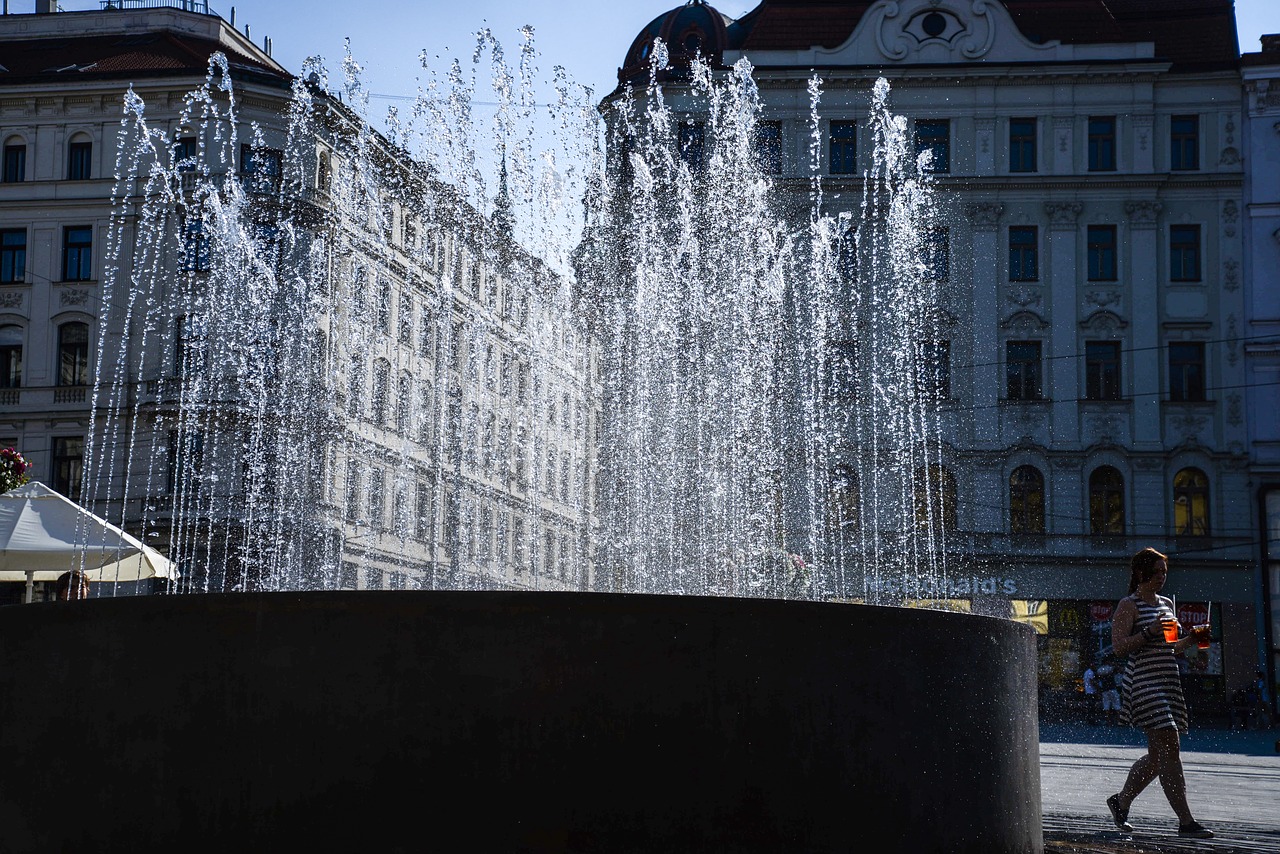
937,254
844,148
15,164
186,152
1184,143
935,498
843,507
79,161
935,138
1186,371
1102,370
260,168
353,489
769,147
842,369
692,142
377,486
426,333
404,403
68,465
424,523
1106,502
1024,253
1102,253
1184,253
935,370
13,255
406,319
186,459
355,385
195,245
1022,370
188,346
10,356
1102,143
73,354
383,316
1026,501
77,253
381,389
1191,503
1022,145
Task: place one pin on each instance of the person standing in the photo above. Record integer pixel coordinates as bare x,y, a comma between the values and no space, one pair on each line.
72,585
1106,679
1090,695
1151,696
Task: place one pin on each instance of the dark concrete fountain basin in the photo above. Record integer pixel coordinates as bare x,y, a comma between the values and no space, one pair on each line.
495,722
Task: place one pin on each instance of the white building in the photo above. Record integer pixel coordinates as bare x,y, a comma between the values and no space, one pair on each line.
391,397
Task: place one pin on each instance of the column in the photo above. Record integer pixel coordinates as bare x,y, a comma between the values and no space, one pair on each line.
1062,368
1141,262
984,217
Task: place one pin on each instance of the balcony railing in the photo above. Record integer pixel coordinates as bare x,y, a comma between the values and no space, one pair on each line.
199,6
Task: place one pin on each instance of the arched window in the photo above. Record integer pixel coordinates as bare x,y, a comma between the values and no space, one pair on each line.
73,354
80,158
10,356
1106,502
1191,503
1026,501
381,390
935,496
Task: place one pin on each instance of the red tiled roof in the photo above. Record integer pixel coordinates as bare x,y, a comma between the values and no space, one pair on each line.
1188,33
116,55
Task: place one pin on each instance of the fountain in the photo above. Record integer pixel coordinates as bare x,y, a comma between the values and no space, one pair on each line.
391,371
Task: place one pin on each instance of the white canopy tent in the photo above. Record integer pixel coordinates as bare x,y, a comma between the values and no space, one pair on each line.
44,534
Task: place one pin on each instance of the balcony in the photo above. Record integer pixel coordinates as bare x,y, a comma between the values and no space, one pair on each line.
40,398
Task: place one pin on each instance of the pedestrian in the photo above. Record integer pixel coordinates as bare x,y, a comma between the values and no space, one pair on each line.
72,585
1090,695
1151,691
1106,679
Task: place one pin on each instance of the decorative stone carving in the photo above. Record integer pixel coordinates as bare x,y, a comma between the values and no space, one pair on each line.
1189,426
1102,299
1063,214
1233,342
985,128
1023,297
1144,213
1147,463
1105,429
1062,129
1230,156
1230,214
1235,410
1104,323
984,215
1142,127
11,299
1231,273
896,38
1025,323
73,296
1068,461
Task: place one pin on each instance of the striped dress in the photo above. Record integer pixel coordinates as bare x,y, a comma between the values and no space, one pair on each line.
1150,689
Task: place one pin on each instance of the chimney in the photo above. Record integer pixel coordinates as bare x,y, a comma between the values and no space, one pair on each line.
46,7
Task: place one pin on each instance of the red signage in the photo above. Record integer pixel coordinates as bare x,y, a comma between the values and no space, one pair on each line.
1100,612
1193,613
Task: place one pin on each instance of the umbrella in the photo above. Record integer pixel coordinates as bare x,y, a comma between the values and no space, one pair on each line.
43,534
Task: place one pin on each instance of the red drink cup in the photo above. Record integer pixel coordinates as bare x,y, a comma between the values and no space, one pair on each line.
1202,635
1171,631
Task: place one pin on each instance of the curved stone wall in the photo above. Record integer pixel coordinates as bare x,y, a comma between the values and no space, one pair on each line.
415,721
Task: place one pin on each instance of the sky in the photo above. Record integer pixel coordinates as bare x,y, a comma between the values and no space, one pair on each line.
587,37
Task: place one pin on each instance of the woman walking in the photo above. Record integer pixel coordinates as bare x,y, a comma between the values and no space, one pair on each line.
1151,691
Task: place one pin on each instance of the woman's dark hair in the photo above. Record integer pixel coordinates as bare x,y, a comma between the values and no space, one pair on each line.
1142,566
69,581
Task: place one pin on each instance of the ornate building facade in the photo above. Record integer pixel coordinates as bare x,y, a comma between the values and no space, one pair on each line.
1090,160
